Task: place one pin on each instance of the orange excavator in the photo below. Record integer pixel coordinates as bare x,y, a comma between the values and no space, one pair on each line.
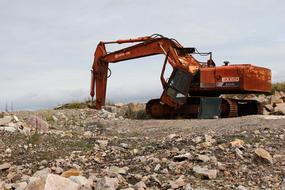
194,88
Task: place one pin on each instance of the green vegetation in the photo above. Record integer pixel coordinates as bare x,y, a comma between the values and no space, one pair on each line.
246,139
279,86
34,138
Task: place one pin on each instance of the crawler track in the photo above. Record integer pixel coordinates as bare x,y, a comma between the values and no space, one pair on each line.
228,108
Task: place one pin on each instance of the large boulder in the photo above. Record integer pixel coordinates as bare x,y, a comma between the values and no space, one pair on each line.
280,108
56,182
38,123
6,120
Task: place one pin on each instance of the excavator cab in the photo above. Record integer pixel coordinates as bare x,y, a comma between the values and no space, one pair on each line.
176,91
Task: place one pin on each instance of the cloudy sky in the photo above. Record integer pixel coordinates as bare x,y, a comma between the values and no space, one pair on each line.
46,46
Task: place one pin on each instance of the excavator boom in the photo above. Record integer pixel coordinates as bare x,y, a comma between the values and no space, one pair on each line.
176,55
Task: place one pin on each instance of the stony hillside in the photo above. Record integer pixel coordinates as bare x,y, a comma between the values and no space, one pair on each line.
88,149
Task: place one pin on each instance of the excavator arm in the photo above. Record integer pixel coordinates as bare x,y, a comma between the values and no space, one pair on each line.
177,56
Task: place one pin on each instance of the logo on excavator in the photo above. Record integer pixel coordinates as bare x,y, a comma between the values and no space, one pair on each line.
122,54
230,79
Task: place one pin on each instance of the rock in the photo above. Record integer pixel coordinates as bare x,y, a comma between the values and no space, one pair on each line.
140,186
38,124
54,118
237,143
124,145
71,172
177,183
107,183
56,182
240,187
15,118
118,170
84,183
204,172
102,143
6,120
88,134
203,158
269,107
238,153
264,155
42,173
157,167
23,128
197,139
9,129
182,157
58,170
119,104
276,98
171,136
8,151
280,108
209,139
188,187
20,186
5,166
35,183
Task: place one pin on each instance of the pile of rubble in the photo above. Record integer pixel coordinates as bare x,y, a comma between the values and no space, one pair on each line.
273,104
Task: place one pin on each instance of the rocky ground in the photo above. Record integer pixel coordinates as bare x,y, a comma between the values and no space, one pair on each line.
87,149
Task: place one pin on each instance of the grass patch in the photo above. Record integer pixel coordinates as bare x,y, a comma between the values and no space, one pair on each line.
279,86
246,139
34,138
80,145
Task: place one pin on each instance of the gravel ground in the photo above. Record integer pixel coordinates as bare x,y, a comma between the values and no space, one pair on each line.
161,154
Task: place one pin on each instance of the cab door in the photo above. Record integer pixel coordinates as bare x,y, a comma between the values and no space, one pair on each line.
176,91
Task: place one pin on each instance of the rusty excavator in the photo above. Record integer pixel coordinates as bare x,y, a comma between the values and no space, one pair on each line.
194,88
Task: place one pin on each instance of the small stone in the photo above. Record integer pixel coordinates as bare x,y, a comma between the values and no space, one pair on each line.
240,187
54,118
264,155
58,170
102,143
203,158
8,151
107,183
171,136
177,183
157,167
124,145
16,119
204,172
209,139
197,139
5,166
82,181
239,153
140,186
237,143
88,134
118,170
